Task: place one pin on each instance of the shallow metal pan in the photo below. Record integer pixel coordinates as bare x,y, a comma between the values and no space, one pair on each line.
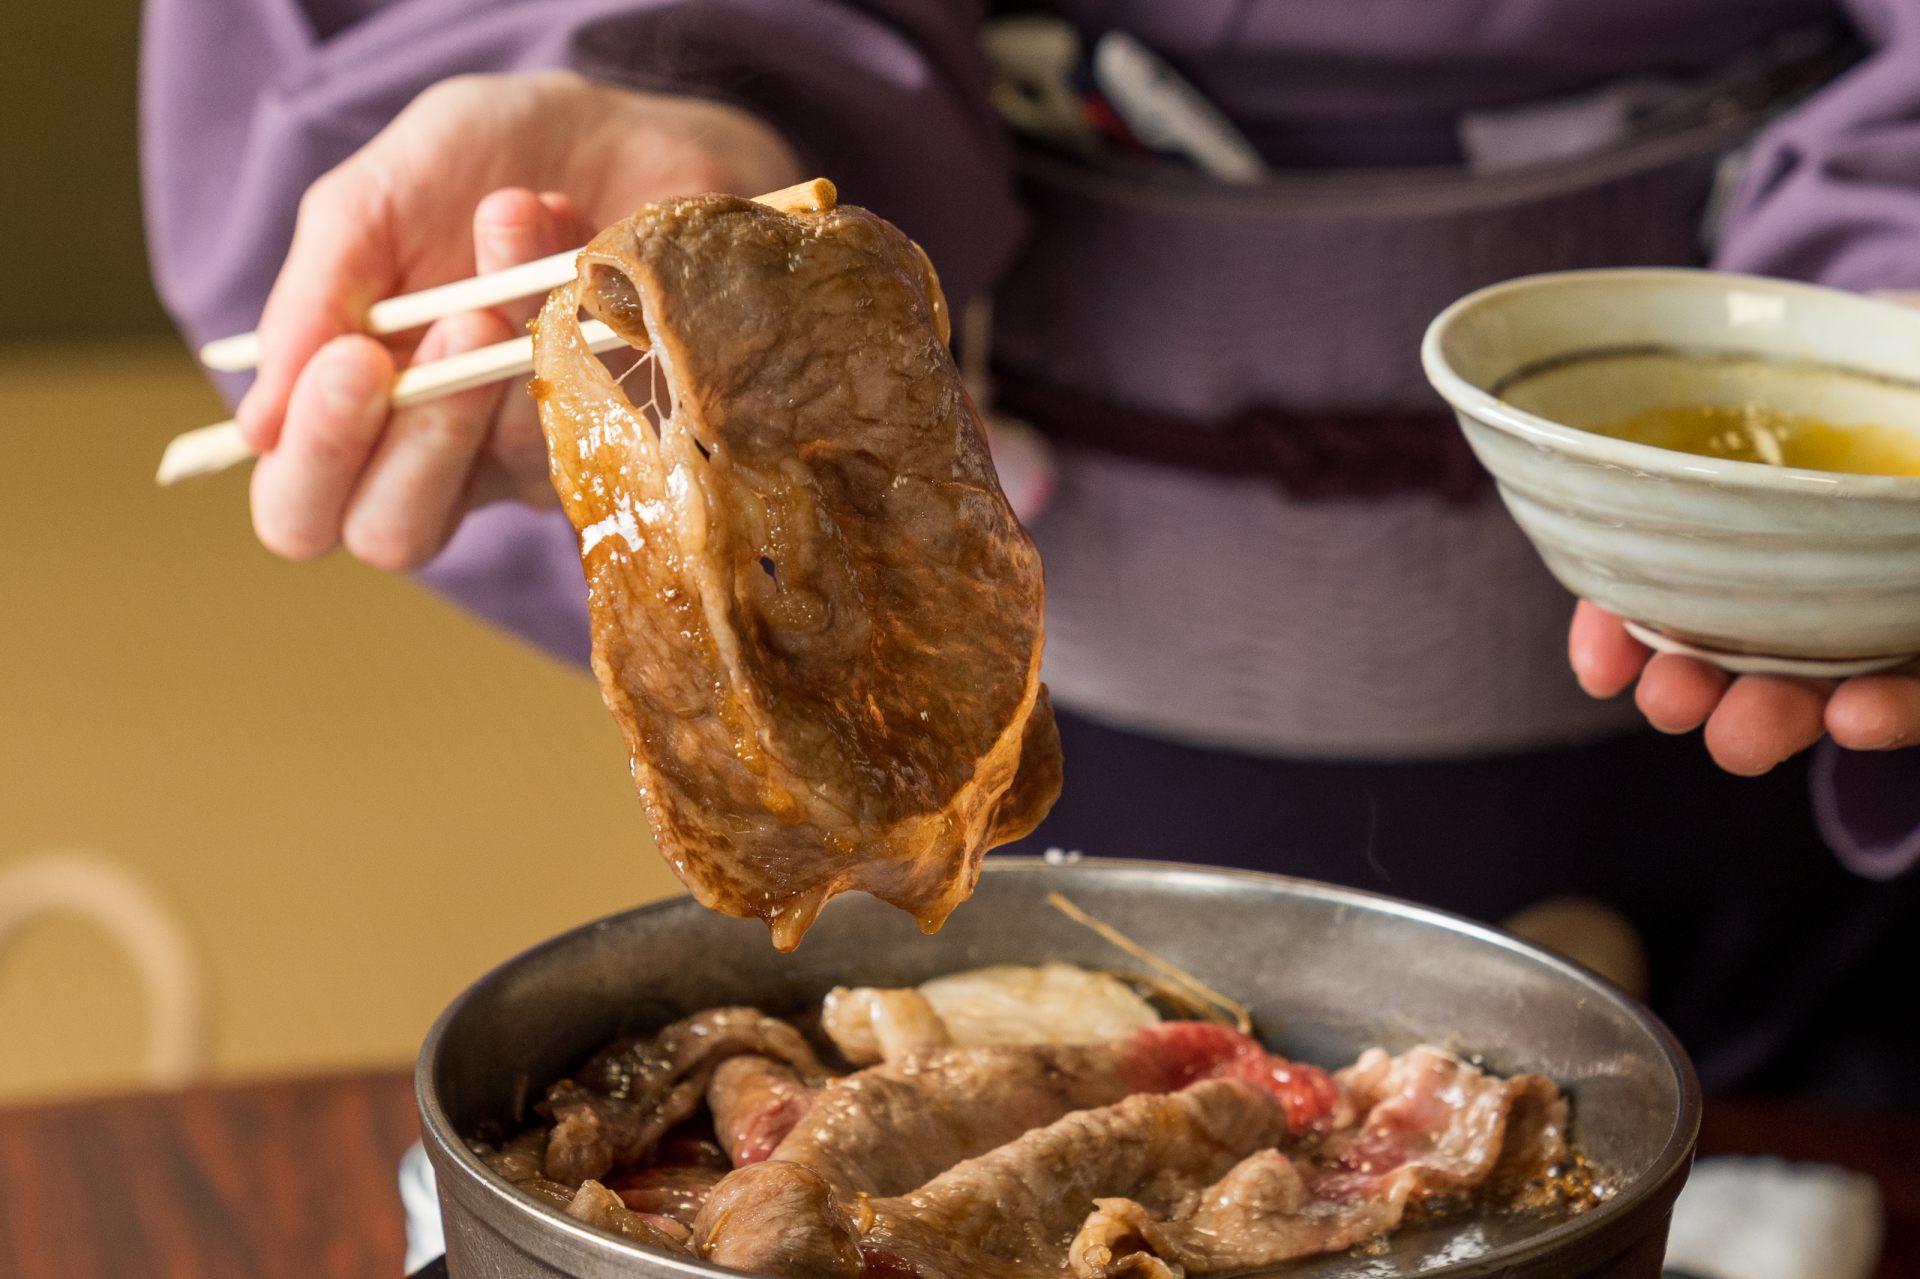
1326,972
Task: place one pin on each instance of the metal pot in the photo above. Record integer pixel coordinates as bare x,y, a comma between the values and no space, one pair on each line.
1326,972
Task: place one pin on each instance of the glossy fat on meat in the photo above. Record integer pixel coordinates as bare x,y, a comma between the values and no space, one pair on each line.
1047,1003
871,1023
814,616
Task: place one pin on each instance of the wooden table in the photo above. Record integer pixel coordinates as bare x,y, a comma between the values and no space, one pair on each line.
298,1179
262,1180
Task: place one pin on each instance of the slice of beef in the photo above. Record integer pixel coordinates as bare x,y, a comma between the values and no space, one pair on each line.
1260,1214
888,1129
893,1127
756,1102
1007,1214
1446,1122
814,615
779,1218
1019,1206
523,1161
598,1206
1435,1130
523,1157
629,1095
901,1128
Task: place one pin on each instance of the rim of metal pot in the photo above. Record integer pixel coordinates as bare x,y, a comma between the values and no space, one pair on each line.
1615,1212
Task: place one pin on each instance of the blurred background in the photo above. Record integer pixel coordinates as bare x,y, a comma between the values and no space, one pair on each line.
255,818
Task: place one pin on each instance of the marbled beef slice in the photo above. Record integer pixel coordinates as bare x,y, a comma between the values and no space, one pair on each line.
814,615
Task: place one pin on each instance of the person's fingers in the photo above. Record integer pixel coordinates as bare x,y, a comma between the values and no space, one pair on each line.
334,417
341,262
414,491
522,479
573,226
1763,719
511,226
1877,712
1677,693
1605,658
513,462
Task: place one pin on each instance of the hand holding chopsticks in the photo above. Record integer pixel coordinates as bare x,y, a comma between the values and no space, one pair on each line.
214,448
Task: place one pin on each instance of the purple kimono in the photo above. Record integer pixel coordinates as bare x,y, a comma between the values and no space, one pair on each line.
1296,667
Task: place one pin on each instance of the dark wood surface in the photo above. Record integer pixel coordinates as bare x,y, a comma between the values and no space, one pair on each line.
297,1178
293,1178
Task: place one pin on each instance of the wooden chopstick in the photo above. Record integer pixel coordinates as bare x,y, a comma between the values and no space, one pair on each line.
217,447
414,310
210,449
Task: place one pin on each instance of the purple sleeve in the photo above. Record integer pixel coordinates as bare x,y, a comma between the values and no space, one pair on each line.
246,102
1833,194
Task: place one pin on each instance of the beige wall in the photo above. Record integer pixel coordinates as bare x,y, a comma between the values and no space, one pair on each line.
349,799
352,798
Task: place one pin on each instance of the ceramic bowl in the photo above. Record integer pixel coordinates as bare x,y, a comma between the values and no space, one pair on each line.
1761,567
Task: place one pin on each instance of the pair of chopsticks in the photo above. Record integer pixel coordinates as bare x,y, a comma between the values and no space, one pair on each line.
217,447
